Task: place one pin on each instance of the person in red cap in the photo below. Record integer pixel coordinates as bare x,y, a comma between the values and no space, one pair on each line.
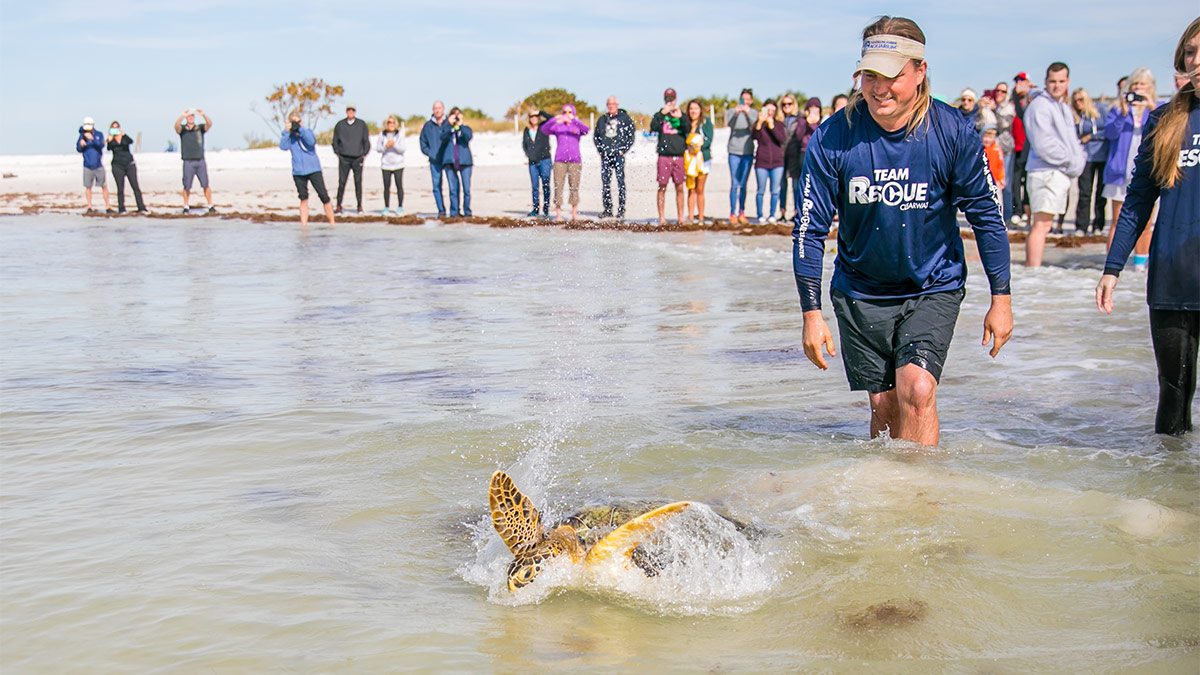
1020,194
672,127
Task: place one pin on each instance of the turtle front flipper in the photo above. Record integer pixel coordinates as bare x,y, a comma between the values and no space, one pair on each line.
516,520
622,541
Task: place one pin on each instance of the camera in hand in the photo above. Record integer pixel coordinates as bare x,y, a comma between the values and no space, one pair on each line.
295,127
1134,97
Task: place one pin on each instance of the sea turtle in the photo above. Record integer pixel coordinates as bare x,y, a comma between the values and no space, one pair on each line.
592,536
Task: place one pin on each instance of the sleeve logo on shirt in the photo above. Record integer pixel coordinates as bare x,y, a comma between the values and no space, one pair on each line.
889,190
805,208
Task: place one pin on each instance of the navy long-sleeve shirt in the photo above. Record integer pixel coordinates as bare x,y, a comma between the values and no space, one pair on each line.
897,195
1174,276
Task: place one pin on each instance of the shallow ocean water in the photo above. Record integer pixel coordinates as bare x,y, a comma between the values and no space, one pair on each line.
238,447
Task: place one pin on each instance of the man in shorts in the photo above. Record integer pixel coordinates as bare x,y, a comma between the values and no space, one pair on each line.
306,166
191,149
896,165
672,127
91,145
1056,157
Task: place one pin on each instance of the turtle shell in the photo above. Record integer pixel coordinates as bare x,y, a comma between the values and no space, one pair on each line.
593,522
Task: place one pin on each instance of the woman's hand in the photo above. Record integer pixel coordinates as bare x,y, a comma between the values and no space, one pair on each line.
1104,293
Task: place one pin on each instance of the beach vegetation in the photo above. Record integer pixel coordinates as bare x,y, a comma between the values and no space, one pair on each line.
552,101
256,142
314,99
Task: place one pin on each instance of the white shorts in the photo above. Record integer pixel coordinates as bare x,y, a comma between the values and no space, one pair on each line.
1048,191
1114,193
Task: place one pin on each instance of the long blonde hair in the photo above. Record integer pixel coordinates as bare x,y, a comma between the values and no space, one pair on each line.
1089,107
896,25
1142,74
1168,135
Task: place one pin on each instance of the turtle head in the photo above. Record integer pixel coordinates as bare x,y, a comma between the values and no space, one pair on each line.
530,562
521,573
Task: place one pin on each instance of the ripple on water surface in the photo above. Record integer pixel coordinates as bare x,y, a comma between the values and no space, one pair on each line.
232,446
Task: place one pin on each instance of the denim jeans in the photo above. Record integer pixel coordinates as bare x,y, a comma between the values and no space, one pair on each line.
435,175
761,176
739,176
453,180
610,164
539,174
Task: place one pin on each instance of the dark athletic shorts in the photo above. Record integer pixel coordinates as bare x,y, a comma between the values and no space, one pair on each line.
318,183
879,336
193,169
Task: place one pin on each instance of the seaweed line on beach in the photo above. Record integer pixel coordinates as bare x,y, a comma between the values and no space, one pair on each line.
777,229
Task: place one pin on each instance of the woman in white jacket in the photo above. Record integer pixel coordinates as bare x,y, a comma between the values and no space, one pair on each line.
390,146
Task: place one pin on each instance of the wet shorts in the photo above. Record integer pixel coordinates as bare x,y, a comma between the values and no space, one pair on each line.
93,177
670,169
318,183
195,168
879,336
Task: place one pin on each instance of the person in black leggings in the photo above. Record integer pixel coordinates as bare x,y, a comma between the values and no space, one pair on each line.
124,167
1167,169
390,146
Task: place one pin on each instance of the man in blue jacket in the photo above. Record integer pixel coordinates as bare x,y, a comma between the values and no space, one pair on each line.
431,144
895,166
306,166
91,144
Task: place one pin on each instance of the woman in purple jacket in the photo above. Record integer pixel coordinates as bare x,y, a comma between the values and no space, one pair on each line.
568,163
770,134
1123,129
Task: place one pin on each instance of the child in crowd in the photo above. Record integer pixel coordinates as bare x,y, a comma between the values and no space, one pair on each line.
995,160
693,165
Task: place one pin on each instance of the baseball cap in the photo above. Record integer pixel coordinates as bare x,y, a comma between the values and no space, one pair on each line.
88,123
351,106
887,54
1020,76
669,94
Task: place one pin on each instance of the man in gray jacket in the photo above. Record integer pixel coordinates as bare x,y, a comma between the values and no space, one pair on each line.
1056,157
351,142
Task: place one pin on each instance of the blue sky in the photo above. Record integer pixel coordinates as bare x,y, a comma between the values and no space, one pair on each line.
143,61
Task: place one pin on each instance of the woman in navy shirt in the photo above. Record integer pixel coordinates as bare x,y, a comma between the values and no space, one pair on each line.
1168,168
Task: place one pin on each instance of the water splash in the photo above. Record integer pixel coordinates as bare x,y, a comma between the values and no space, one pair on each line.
703,565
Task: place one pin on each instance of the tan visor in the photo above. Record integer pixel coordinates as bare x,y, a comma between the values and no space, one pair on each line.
887,54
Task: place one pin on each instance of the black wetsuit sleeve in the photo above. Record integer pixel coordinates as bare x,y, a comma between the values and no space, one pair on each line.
810,292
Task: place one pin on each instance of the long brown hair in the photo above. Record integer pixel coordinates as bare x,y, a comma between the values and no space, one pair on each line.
1168,135
907,28
687,111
